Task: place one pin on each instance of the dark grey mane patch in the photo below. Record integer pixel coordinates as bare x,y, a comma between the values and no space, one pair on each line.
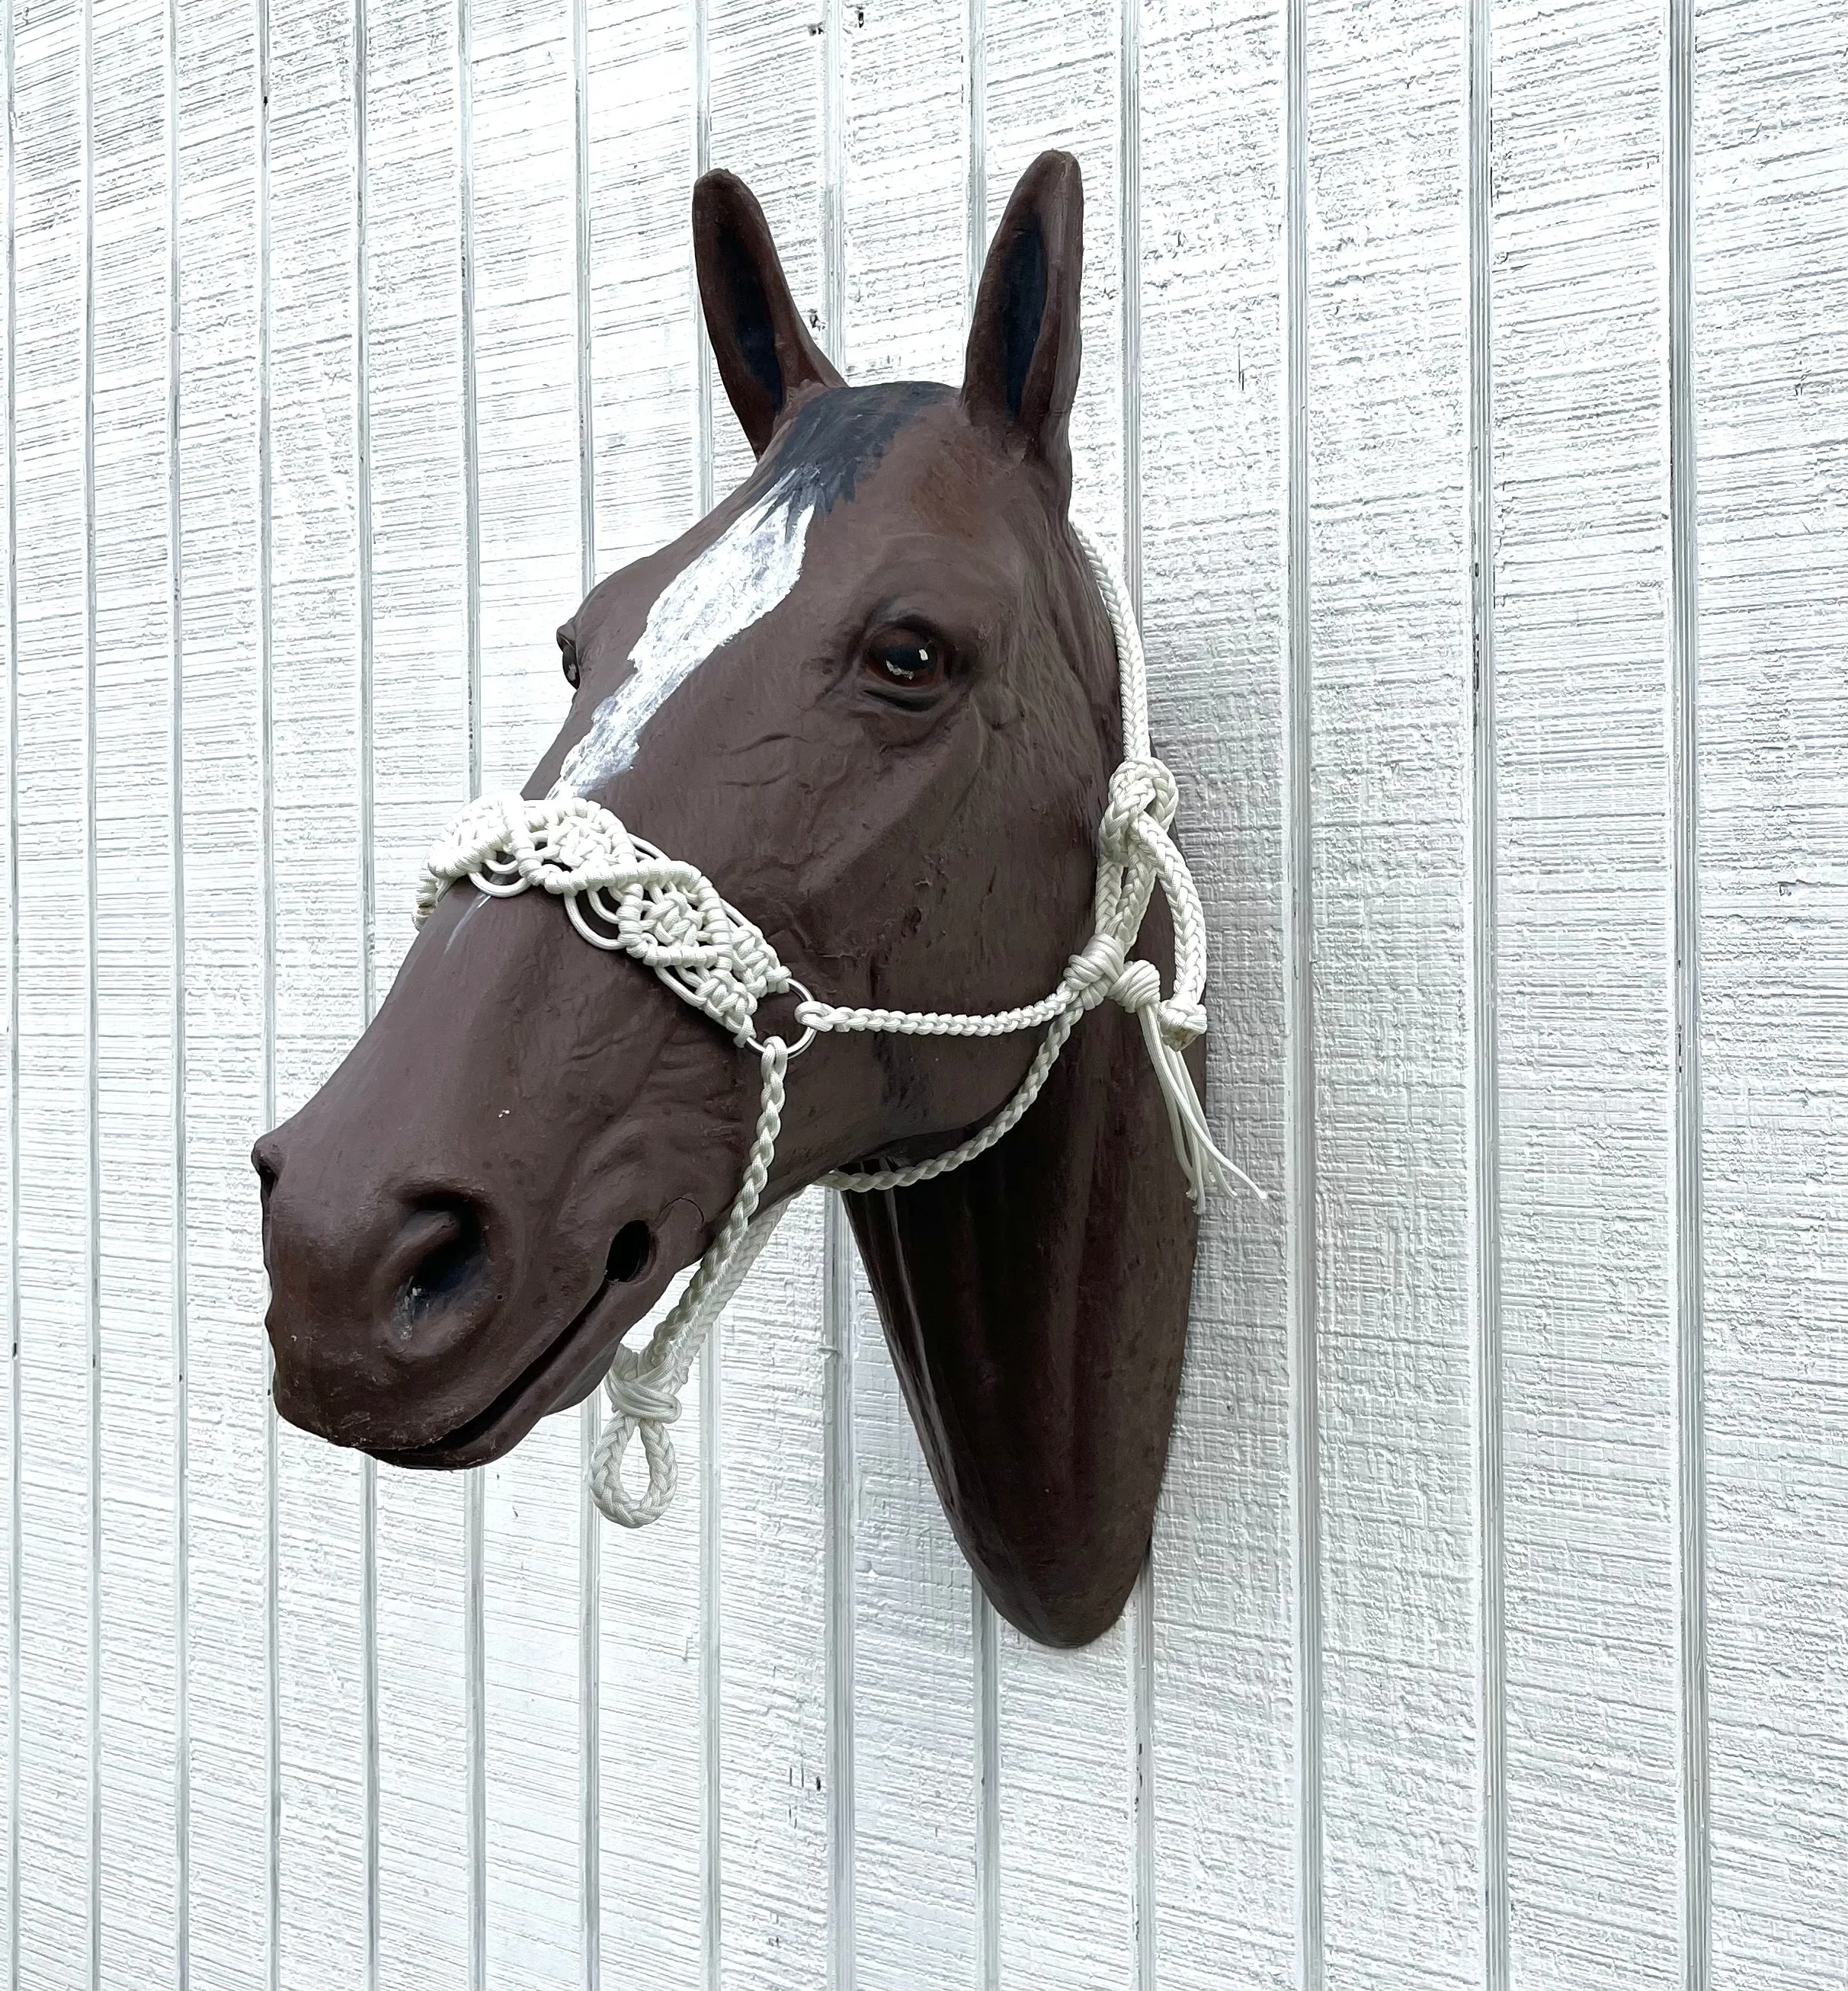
838,436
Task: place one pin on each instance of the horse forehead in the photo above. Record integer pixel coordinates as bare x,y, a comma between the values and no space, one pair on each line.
856,458
730,584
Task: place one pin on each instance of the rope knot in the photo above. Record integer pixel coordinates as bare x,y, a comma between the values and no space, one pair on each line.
1182,1022
640,1397
1138,988
1097,967
1141,787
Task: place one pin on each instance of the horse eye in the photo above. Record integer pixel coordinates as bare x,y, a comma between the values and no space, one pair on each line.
567,650
905,660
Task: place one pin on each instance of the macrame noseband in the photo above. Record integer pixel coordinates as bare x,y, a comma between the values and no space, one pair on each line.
625,895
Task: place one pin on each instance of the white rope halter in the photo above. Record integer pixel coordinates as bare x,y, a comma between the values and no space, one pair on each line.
670,917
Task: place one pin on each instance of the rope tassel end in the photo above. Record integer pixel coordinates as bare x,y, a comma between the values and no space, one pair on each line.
1209,1170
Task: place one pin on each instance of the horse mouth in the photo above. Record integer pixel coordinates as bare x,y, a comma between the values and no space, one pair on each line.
563,1373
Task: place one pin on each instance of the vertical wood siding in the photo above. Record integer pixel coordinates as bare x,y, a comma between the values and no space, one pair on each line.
1769,386
1466,395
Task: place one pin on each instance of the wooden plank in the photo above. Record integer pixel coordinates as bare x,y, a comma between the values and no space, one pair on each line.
1770,199
321,835
228,1655
10,1820
644,351
527,370
1401,1883
136,994
906,207
652,1778
54,1900
915,1796
913,1711
773,1807
526,321
420,778
1065,1719
531,1522
1578,312
1214,440
643,319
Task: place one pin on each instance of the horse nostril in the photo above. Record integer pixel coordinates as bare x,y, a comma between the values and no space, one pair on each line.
454,1255
631,1251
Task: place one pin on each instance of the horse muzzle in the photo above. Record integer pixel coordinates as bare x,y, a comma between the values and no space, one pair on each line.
429,1324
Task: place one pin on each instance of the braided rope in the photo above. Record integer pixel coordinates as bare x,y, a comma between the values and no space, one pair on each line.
620,893
644,1385
625,897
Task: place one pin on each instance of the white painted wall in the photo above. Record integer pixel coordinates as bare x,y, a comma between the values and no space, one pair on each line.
1476,426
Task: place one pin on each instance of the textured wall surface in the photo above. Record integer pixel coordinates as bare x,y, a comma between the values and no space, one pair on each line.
1466,391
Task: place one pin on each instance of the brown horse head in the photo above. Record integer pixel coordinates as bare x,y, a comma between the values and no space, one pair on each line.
873,697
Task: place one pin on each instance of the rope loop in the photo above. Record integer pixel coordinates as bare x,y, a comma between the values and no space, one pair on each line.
643,1408
1142,787
644,1385
625,897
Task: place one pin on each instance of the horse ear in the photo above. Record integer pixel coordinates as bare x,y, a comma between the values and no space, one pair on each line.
1022,372
766,357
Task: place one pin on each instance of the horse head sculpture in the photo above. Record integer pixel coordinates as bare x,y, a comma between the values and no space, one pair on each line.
873,698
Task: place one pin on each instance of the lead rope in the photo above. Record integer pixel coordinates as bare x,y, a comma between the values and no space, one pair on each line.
626,897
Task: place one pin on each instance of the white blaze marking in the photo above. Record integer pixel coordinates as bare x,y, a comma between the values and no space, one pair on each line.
735,582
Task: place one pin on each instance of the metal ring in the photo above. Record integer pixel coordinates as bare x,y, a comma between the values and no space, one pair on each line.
809,1033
